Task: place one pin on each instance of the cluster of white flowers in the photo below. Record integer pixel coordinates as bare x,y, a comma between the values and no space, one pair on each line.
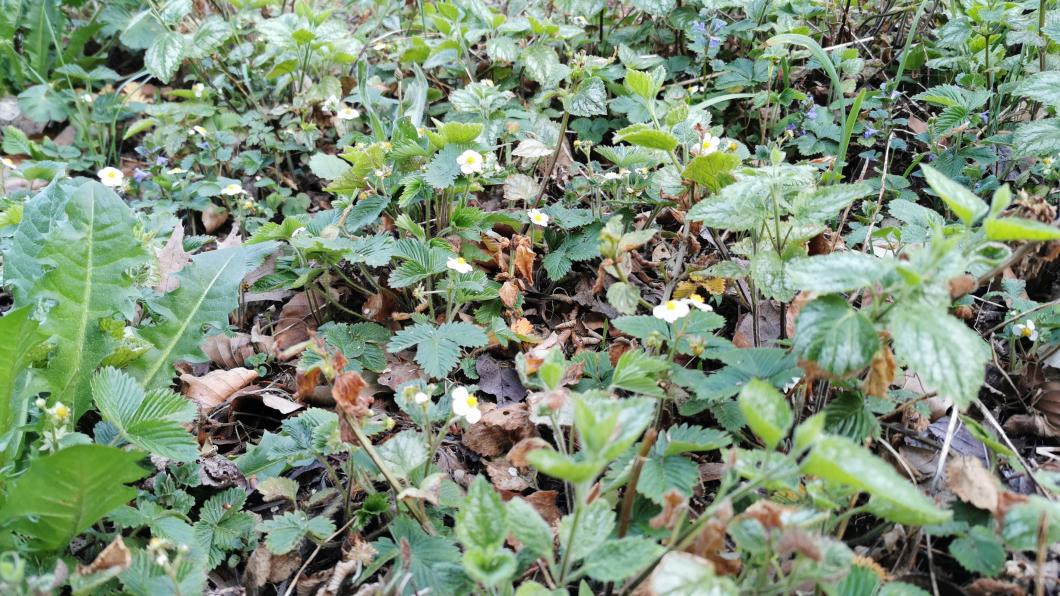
672,310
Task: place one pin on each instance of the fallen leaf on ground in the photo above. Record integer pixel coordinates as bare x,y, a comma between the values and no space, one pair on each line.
171,259
499,429
967,478
114,559
500,382
228,351
215,387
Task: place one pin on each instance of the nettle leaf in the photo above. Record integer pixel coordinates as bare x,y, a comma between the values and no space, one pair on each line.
837,272
482,520
838,459
543,66
72,251
959,199
623,558
593,529
286,532
949,357
826,203
643,135
1009,229
223,526
766,411
1038,138
62,494
151,421
164,55
839,339
712,171
980,551
207,294
438,348
531,529
737,207
589,98
1043,87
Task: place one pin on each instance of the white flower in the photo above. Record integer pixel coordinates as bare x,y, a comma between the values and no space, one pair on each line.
232,190
198,89
458,264
8,163
487,82
348,113
613,176
791,384
174,171
162,559
111,176
697,301
421,397
537,217
671,310
1026,329
60,412
200,130
470,162
465,405
87,97
709,145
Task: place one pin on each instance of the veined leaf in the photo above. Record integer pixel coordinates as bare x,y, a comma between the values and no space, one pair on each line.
72,250
832,334
150,421
438,348
959,199
22,335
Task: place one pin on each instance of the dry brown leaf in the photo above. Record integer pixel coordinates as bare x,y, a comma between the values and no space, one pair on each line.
509,293
171,259
524,258
294,325
674,505
114,558
986,586
711,542
215,387
499,429
228,351
350,395
967,478
213,217
797,540
398,372
544,501
517,454
233,238
505,476
768,326
881,372
379,306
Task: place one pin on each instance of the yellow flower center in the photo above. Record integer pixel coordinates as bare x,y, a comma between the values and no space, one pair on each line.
62,412
1027,331
671,305
461,261
472,401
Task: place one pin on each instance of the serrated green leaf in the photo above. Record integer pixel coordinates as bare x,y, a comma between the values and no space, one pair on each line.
711,171
663,474
625,297
438,348
959,199
589,98
1043,87
223,526
837,272
593,529
286,532
164,55
530,528
766,411
482,521
149,421
980,551
623,558
404,453
839,339
642,135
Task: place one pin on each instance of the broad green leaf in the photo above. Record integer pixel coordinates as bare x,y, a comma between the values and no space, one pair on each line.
684,574
1037,138
661,475
766,411
620,559
625,297
828,202
949,357
286,532
22,336
980,551
642,135
839,339
687,438
838,459
959,199
207,294
1043,87
1008,229
482,521
328,167
490,567
433,561
438,348
636,371
151,421
529,528
460,133
711,171
594,527
404,453
589,98
564,467
64,493
641,83
164,55
73,250
843,271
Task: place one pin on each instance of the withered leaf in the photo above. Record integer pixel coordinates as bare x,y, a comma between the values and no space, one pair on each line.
215,387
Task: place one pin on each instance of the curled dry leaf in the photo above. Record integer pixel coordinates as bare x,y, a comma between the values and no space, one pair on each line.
379,307
881,372
517,454
509,293
215,387
674,504
505,476
293,327
524,258
499,429
967,478
171,259
544,501
350,395
213,217
228,351
113,559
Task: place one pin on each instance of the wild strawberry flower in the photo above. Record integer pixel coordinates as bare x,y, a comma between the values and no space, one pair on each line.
348,113
709,144
202,132
465,405
233,189
697,301
458,264
111,176
671,310
470,162
198,89
421,397
1026,329
8,163
60,412
538,217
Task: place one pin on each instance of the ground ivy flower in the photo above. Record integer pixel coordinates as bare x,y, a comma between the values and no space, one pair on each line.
697,301
348,113
465,405
458,264
671,310
1026,329
538,217
198,89
470,162
232,190
709,144
111,177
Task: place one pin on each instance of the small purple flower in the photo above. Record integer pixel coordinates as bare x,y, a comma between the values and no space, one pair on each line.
699,28
141,175
811,113
869,132
715,42
791,126
161,161
984,115
717,25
